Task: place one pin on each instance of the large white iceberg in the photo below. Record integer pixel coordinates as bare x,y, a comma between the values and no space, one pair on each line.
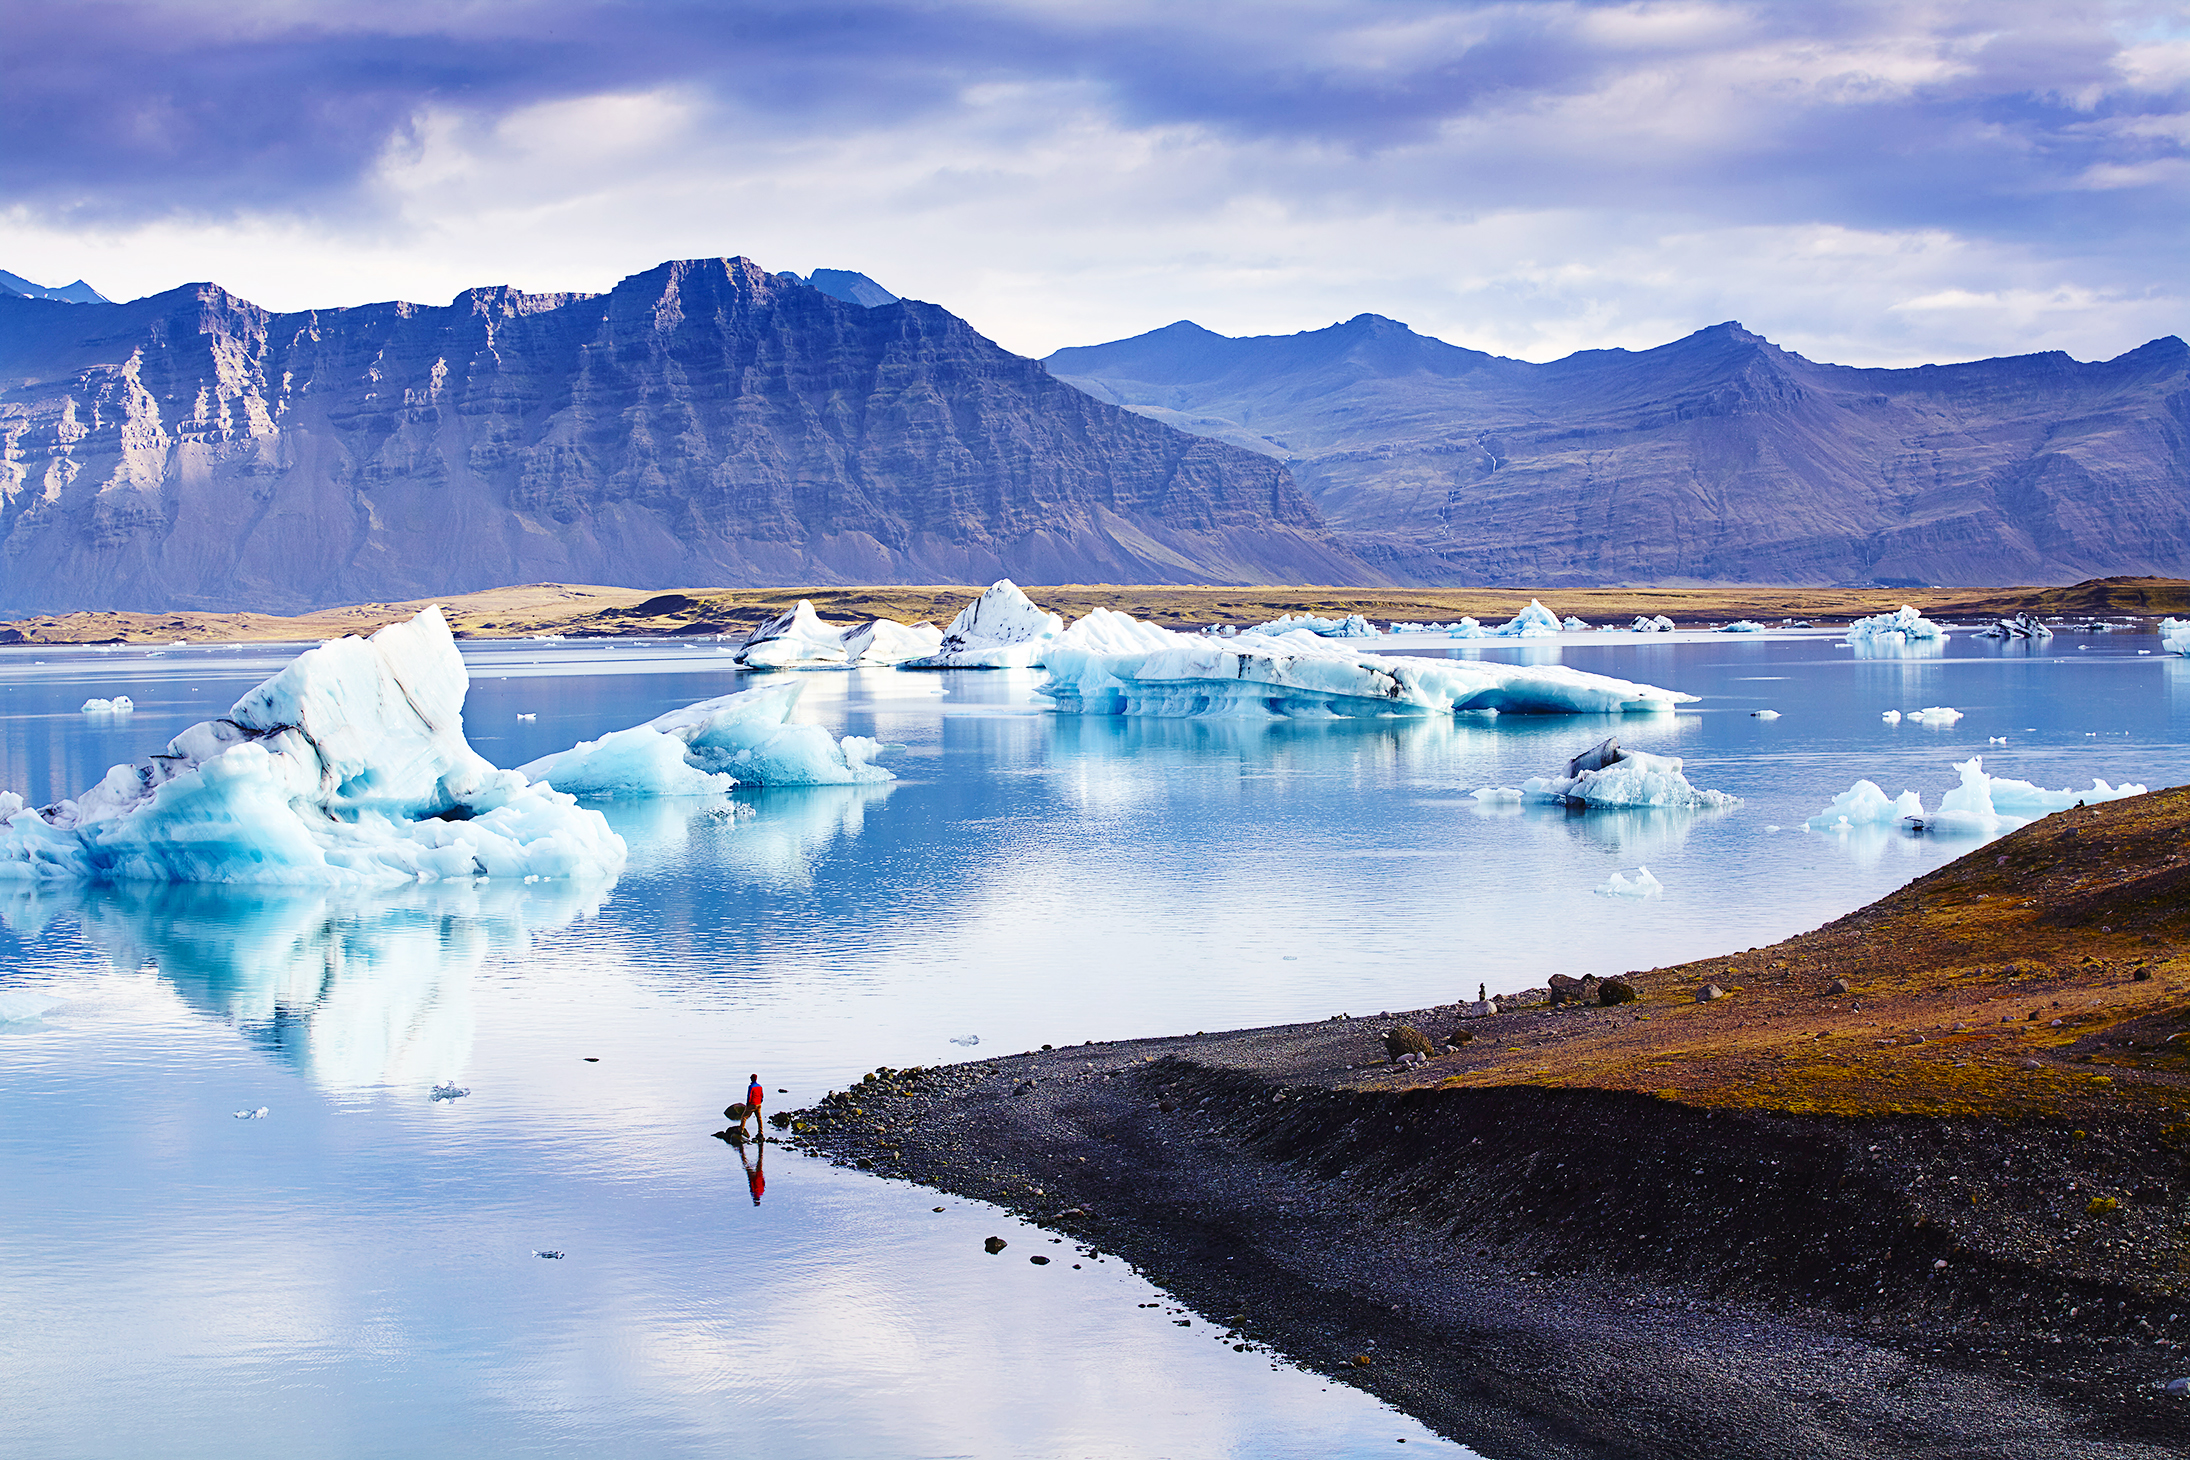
1981,805
706,748
1002,629
1903,626
1658,625
886,642
1352,626
1468,628
2175,635
1300,675
795,639
349,767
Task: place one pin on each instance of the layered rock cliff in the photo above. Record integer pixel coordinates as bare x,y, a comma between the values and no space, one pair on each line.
1717,458
704,423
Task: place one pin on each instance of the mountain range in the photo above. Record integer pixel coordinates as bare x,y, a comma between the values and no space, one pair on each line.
76,293
1717,458
706,422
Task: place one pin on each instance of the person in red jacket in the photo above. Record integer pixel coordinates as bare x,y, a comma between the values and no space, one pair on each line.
753,1094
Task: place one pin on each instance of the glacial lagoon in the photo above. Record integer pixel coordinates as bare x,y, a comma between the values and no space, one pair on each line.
355,1272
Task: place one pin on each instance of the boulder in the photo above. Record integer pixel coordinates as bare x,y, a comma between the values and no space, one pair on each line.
1406,1039
1838,987
1459,1038
1566,990
1709,992
1615,991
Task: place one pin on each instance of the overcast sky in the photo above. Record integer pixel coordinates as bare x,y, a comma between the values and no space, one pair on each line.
1874,183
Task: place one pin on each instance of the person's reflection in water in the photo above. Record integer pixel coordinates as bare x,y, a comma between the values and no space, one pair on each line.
755,1182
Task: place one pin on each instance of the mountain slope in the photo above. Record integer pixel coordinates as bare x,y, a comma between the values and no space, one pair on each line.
1716,458
76,293
705,422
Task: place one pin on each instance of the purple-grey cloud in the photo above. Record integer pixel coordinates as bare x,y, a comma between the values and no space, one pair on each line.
2011,119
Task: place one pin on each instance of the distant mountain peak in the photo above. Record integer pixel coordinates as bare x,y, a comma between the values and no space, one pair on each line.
850,286
76,293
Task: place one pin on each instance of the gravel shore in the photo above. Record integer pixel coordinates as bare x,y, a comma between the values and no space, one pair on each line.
1551,1272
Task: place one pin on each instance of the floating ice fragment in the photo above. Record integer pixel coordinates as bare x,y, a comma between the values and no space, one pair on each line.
348,767
1903,626
1936,715
1982,805
794,639
1891,717
1353,626
1574,625
1764,714
969,1041
2022,626
1641,885
1499,796
2175,635
1996,740
706,748
1533,622
1300,675
885,642
1607,777
119,705
1742,626
1467,628
1002,629
528,717
450,1091
536,1252
258,1114
1658,625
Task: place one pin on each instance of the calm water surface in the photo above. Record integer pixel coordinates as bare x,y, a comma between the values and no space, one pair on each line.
354,1274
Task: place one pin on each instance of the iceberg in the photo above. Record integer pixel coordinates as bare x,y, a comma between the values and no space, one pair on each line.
1608,777
2175,635
1891,717
1742,626
885,642
1574,625
1865,804
349,767
2022,626
1981,805
1300,675
1936,715
119,705
1903,626
1641,885
796,639
1468,628
1353,626
706,748
1107,631
1659,625
1533,622
1002,629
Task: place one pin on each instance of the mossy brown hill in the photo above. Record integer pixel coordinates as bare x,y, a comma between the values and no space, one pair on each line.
1971,1161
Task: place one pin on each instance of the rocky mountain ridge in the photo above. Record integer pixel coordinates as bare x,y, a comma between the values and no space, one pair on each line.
1716,458
704,422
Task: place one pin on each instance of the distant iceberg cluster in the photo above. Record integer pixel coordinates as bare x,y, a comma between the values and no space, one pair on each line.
1353,626
705,749
1981,805
348,767
1903,626
1117,665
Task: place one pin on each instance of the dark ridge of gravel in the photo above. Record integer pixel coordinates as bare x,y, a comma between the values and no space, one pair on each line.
1550,1272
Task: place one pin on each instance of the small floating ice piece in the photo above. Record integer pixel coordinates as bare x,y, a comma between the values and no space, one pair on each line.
1533,622
537,1252
450,1091
1658,625
119,705
1742,626
1903,626
1764,714
1499,796
1996,740
1641,885
1936,715
1574,625
968,1041
1891,717
528,717
258,1114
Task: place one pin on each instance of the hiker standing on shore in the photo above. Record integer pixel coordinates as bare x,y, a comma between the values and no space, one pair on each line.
753,1094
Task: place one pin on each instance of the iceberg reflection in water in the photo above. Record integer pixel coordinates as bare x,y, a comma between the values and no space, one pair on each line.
355,989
